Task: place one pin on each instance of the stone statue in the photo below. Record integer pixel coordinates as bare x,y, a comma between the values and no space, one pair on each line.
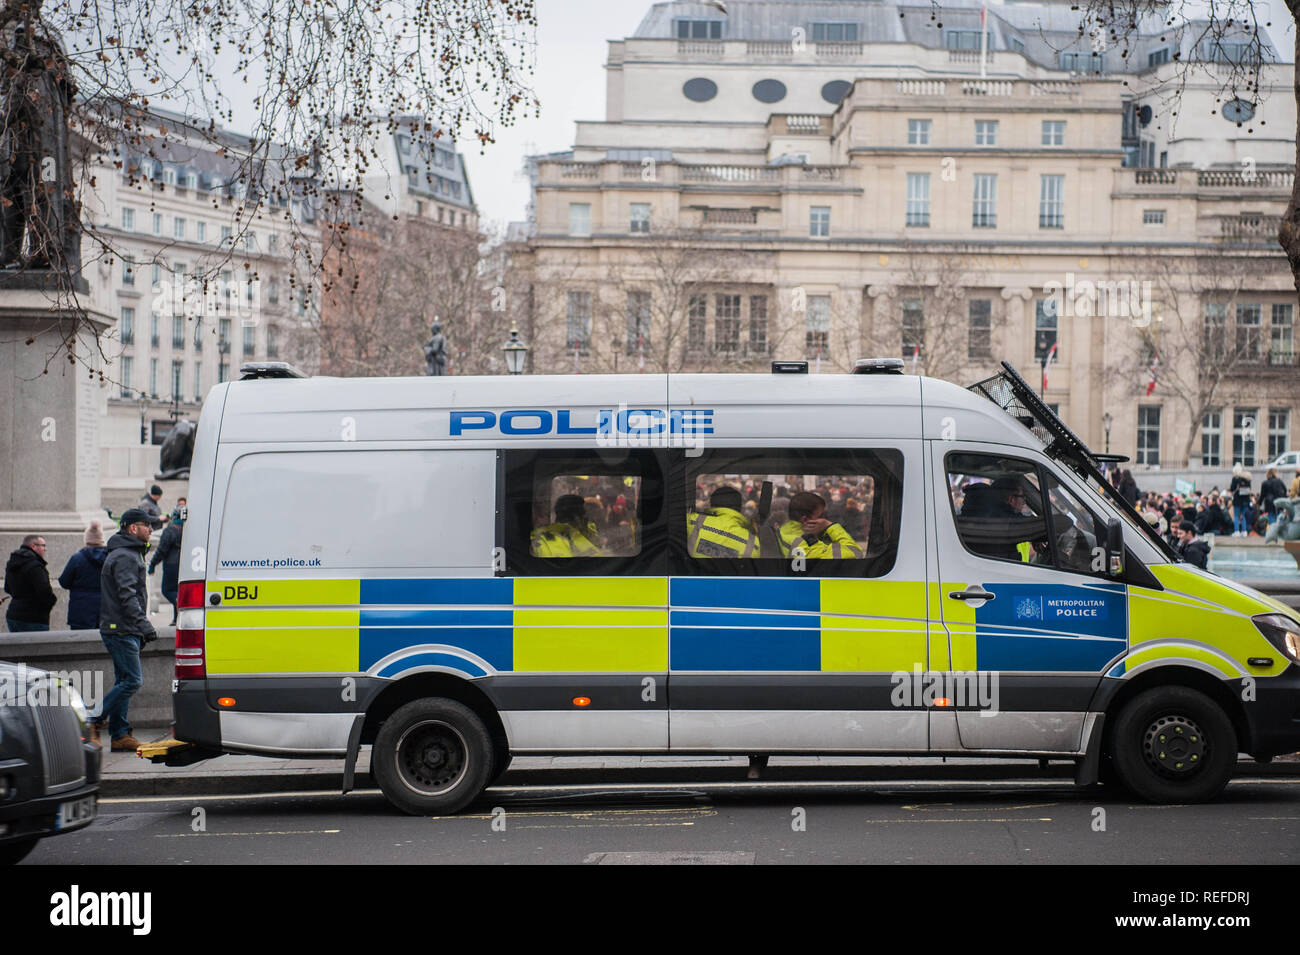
1287,525
176,451
39,214
435,351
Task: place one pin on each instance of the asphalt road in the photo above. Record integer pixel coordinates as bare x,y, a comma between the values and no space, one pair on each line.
1255,821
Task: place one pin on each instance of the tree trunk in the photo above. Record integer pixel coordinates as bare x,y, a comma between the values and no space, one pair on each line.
1288,233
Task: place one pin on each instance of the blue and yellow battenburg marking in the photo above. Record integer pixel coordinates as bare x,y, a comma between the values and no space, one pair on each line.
478,626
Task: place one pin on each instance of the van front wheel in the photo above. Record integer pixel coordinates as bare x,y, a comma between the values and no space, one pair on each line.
432,757
1174,744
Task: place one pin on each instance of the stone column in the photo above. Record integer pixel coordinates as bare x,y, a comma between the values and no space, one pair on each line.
49,427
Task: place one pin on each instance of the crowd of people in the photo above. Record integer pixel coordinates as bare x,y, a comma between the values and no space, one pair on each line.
1185,520
107,591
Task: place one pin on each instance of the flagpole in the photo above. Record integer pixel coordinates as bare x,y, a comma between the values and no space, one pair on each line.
984,38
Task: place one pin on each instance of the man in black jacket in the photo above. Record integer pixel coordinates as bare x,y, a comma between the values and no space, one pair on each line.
1191,548
28,582
124,620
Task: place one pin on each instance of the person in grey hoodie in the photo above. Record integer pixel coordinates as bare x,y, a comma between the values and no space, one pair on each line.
124,621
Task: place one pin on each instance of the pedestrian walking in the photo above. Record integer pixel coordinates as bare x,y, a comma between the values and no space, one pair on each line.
169,555
149,504
124,621
27,582
80,578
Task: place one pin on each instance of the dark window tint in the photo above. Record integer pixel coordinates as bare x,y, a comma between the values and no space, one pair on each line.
769,91
836,90
752,512
580,512
700,90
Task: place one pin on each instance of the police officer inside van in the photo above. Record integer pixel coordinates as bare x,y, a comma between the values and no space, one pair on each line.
723,530
572,535
808,531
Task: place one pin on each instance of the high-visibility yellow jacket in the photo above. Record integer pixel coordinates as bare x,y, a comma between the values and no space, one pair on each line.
565,540
834,542
721,532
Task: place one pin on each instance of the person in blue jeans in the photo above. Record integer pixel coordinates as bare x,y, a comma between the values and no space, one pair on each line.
1240,491
124,622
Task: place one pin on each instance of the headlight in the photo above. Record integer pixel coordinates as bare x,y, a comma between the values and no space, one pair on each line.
1282,632
75,701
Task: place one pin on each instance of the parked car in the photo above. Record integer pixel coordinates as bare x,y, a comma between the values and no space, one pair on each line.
1286,461
49,766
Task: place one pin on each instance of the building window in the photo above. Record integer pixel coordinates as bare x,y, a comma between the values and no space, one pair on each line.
913,327
577,333
918,199
1148,435
726,323
223,371
1281,343
697,310
201,231
127,367
177,373
965,40
178,228
153,377
1081,62
126,328
272,342
819,221
640,217
986,132
273,240
758,324
128,272
579,218
128,220
1248,332
157,223
1211,439
918,132
1279,432
835,32
817,334
1046,328
1245,425
1015,43
1153,216
980,336
178,331
198,382
1216,331
638,322
250,339
1051,203
1053,132
1156,57
154,318
198,333
692,29
1147,154
985,212
273,292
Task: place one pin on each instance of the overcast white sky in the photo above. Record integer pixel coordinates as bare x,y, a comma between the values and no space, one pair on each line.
570,79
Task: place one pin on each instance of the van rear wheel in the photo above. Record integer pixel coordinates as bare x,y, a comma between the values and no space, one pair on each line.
432,757
1174,744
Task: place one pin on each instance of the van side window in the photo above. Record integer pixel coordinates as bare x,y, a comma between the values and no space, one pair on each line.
592,513
771,512
1002,512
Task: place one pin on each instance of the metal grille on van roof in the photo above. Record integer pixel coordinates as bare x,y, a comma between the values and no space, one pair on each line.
251,370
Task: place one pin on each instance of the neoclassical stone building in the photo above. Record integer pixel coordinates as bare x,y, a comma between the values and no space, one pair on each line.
834,180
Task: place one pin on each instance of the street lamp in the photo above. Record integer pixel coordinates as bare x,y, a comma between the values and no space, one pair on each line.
143,402
1106,420
515,351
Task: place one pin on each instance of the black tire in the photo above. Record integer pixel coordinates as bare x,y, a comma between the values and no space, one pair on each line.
1173,744
500,761
432,757
11,853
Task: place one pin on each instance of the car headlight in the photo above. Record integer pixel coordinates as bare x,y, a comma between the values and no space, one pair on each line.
74,700
1282,632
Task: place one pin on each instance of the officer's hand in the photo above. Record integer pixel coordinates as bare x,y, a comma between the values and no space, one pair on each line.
152,569
815,526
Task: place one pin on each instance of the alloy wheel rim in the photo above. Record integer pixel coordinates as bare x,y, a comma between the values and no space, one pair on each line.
431,758
1175,746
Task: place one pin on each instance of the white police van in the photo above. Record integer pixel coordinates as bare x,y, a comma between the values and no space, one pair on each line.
362,567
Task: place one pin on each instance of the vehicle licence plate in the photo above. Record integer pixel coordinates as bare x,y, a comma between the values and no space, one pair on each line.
76,813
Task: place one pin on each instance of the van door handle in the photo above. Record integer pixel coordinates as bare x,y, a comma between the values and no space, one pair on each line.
973,593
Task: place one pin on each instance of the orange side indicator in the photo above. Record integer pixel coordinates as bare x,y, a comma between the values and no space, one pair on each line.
943,701
582,701
226,701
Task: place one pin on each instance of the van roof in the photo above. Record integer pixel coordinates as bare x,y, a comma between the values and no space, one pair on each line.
825,409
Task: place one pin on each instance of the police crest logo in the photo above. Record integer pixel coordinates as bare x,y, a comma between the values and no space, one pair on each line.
1029,608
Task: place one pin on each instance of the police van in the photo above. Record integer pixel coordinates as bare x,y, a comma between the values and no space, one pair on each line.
457,570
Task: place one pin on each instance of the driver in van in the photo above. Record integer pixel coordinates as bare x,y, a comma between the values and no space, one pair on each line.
572,535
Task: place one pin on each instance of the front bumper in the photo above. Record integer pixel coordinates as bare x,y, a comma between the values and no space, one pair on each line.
37,816
1274,715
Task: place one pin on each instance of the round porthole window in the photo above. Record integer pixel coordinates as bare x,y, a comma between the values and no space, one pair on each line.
836,90
700,89
769,91
1238,110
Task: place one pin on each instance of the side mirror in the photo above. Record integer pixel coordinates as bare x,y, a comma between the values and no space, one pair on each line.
1114,547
